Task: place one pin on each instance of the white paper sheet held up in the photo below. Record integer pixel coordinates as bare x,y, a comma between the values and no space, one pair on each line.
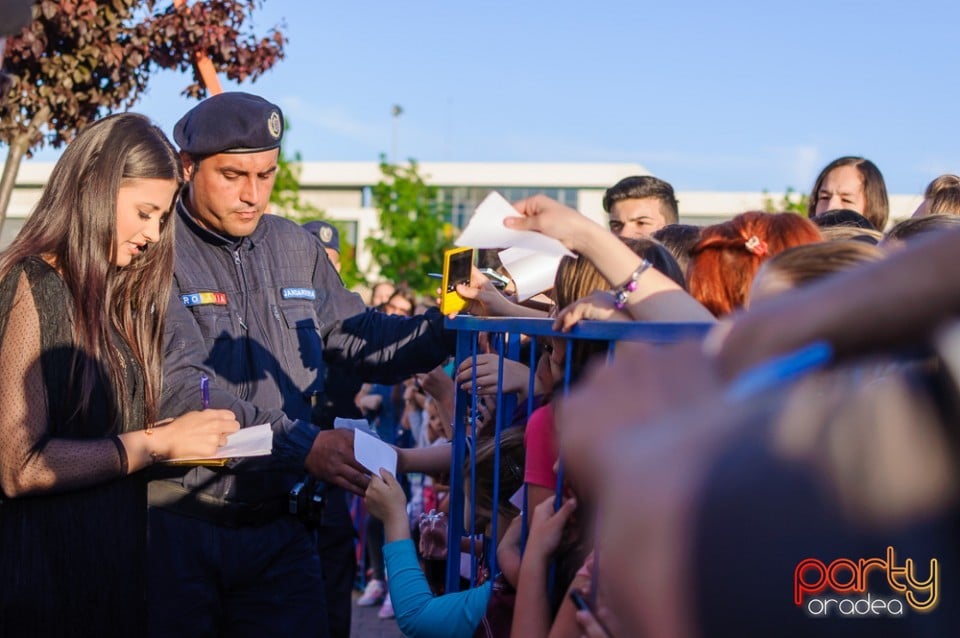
257,440
372,453
486,230
532,272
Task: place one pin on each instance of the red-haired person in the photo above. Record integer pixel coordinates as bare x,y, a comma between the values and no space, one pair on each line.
727,258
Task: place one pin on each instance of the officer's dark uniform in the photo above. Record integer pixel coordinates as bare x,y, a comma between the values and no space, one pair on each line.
262,316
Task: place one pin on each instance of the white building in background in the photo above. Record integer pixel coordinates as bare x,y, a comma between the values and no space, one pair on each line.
343,191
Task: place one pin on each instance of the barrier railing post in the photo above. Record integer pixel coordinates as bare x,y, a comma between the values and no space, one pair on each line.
508,345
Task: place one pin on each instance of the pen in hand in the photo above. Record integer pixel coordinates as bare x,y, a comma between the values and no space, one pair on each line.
205,391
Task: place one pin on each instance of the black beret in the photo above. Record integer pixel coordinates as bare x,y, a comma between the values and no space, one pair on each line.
230,123
14,15
327,233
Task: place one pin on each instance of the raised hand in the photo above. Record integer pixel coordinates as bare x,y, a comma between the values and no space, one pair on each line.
546,526
553,219
433,535
516,376
385,499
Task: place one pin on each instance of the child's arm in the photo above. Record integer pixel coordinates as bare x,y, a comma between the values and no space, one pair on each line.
531,616
434,459
419,614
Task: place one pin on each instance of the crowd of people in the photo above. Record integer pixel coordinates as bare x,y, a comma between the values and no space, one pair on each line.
150,308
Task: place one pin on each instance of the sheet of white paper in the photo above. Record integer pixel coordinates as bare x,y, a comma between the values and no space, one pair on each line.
532,272
486,230
257,440
373,454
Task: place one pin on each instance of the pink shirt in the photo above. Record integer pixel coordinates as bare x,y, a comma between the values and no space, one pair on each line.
541,449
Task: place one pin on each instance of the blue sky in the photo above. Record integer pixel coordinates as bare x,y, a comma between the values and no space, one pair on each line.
710,96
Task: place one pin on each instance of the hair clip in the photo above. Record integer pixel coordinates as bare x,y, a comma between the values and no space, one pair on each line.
757,246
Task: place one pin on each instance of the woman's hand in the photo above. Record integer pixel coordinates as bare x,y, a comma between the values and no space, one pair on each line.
438,384
553,219
196,434
546,526
598,305
483,298
385,500
516,376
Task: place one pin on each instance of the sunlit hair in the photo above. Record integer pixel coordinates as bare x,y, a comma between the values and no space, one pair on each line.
940,183
910,229
805,264
876,203
868,236
75,227
945,201
728,255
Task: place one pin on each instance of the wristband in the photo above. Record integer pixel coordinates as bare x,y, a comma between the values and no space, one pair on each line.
122,454
621,294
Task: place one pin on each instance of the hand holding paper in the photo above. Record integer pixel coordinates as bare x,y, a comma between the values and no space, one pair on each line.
373,454
256,440
486,230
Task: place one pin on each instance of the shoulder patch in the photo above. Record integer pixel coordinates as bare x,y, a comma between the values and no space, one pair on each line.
298,293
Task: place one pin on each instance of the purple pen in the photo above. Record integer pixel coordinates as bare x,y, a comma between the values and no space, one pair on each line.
205,391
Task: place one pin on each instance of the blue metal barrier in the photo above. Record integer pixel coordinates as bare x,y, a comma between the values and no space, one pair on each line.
507,335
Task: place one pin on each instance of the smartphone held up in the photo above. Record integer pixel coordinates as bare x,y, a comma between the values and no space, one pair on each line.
457,263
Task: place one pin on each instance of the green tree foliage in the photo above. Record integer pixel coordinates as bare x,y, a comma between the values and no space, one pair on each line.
415,228
82,59
287,201
791,202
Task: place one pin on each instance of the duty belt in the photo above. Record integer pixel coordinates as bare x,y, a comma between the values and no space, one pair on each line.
175,498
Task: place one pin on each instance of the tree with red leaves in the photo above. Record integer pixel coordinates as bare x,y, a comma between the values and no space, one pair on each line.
82,59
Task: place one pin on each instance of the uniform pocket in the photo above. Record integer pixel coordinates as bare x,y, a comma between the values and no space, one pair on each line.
300,317
215,323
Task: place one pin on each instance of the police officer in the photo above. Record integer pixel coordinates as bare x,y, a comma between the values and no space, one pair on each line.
260,310
329,236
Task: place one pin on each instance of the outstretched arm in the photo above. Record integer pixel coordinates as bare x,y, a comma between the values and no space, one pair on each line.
656,298
419,614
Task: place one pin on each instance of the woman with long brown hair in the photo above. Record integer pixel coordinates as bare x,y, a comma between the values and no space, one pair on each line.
83,293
